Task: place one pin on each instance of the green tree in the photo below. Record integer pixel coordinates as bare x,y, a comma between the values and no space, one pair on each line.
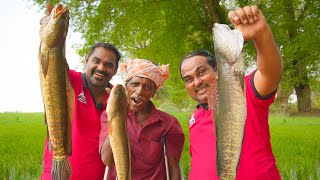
165,30
160,30
295,25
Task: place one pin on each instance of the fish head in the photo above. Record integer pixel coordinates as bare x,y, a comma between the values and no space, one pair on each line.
54,27
228,43
117,101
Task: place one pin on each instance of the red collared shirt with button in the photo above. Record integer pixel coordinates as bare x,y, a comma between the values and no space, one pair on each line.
147,158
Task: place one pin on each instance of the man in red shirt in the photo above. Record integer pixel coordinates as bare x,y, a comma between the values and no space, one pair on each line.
199,72
90,101
147,126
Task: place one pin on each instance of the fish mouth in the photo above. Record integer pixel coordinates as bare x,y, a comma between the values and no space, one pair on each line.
59,11
119,89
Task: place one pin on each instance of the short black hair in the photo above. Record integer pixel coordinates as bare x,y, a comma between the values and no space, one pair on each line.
210,57
106,46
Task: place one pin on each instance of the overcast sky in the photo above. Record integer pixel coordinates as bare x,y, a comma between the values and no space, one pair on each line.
19,74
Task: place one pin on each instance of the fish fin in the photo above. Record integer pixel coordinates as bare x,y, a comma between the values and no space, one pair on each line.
41,59
44,62
70,106
109,128
49,145
48,136
46,122
240,75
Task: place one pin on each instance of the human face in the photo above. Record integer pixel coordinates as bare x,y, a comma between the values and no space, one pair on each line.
199,78
139,90
100,67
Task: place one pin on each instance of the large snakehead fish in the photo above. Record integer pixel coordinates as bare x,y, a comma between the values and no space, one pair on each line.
57,92
231,112
117,110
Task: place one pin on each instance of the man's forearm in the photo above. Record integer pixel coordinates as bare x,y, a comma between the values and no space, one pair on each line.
106,153
174,169
269,63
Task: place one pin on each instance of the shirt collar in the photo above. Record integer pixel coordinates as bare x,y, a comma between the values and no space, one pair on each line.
154,115
204,106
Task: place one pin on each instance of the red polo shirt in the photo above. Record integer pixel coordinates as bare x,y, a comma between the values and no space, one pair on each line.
256,161
85,160
147,159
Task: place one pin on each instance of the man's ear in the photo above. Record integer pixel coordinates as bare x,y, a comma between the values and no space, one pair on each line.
216,72
85,60
115,72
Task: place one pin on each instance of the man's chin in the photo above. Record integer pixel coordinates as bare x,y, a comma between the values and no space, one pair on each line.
99,84
203,100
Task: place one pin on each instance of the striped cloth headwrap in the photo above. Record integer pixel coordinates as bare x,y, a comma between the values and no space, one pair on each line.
146,69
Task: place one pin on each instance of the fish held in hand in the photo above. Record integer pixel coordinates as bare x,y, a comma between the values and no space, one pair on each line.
231,111
117,110
57,92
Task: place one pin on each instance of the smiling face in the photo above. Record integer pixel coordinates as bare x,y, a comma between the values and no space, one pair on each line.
199,78
139,91
100,67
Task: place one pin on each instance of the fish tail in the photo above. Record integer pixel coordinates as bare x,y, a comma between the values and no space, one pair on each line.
61,169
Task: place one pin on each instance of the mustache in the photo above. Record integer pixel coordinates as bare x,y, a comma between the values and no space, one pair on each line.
100,72
202,85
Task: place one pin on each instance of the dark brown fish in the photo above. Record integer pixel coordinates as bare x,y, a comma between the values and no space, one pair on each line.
57,92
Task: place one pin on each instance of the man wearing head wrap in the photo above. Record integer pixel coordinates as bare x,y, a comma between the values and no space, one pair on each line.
147,126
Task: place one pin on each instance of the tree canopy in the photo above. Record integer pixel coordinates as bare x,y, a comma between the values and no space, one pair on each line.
164,31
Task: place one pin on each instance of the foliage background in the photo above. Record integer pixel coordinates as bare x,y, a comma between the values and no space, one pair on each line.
164,31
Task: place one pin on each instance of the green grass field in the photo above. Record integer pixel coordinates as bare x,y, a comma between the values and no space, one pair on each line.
295,141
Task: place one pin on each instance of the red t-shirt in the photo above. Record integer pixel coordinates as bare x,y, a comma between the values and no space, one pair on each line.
85,160
256,161
147,158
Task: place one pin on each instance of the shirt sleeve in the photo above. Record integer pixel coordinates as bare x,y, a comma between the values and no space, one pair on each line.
174,139
254,96
75,78
104,129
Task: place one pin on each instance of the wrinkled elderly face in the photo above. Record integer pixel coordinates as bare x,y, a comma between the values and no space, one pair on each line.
139,91
199,78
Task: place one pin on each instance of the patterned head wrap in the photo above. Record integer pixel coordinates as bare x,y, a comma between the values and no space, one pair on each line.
146,69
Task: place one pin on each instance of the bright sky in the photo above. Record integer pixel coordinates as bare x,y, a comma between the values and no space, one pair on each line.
19,74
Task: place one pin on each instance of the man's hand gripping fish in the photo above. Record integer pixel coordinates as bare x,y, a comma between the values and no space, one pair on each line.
57,92
231,112
117,110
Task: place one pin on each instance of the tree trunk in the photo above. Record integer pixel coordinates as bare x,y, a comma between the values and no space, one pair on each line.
303,94
281,102
302,90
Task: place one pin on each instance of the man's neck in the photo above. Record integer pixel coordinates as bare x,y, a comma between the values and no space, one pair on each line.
97,93
143,115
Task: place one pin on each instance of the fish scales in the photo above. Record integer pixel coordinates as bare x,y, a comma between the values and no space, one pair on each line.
57,92
117,118
231,112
